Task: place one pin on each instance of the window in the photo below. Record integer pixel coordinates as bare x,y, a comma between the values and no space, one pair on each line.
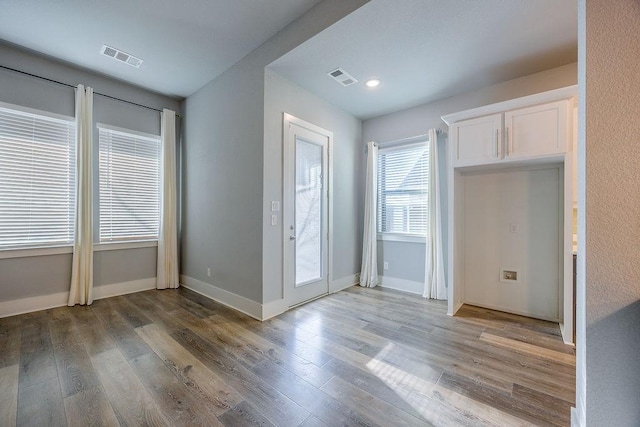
403,173
129,165
37,178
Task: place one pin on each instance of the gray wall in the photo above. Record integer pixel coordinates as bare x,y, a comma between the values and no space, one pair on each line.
609,262
283,96
418,120
34,276
223,146
44,275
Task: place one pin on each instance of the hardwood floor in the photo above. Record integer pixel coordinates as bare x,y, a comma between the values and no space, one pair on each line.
359,357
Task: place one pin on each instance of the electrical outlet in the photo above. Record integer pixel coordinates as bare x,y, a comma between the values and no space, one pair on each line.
513,228
274,219
208,271
275,206
386,265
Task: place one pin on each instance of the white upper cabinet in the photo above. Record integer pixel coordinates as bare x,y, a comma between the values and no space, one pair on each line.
536,131
477,141
533,128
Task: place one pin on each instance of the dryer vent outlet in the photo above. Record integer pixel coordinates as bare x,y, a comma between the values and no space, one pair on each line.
510,275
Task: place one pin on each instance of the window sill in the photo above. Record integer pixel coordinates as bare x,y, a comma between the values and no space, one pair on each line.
35,251
116,246
61,250
397,237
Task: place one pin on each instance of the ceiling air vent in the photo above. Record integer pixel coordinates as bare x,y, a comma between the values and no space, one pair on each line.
342,77
121,56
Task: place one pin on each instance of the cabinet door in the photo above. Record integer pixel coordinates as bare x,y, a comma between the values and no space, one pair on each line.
477,141
536,131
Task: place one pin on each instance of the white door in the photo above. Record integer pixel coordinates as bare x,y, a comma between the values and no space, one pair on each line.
306,211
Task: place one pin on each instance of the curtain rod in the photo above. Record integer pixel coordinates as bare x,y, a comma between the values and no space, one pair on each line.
73,87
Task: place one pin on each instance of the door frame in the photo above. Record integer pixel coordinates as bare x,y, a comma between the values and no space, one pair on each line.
287,202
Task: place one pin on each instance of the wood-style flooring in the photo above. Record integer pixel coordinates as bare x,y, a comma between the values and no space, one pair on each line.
358,357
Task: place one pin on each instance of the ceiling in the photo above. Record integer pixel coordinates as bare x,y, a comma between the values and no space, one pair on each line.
425,50
184,44
421,50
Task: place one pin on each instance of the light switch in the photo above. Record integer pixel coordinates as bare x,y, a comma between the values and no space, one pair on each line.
274,219
275,206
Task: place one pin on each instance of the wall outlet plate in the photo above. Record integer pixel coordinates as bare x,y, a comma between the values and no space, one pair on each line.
509,275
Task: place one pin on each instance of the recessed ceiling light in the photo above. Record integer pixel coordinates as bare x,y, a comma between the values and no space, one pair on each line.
372,83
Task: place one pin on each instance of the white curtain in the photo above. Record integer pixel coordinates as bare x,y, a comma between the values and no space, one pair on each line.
81,290
167,266
434,286
369,269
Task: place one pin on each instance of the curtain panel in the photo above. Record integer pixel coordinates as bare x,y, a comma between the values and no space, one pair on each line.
369,268
167,265
81,290
434,286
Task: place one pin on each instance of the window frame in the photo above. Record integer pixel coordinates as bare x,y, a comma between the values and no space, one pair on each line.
420,140
45,248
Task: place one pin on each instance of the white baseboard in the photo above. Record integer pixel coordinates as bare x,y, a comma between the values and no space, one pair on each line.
115,289
456,307
567,336
237,302
249,307
402,285
60,299
28,305
343,283
578,419
273,308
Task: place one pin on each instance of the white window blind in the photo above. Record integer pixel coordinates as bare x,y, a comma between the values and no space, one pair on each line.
37,178
129,185
403,173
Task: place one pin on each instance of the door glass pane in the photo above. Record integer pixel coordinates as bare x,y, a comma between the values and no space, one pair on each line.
308,214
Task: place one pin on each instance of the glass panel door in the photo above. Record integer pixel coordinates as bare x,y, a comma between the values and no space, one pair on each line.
308,212
305,216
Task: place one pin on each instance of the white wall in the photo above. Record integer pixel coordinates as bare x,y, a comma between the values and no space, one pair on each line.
494,202
224,164
417,121
46,275
609,231
282,96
